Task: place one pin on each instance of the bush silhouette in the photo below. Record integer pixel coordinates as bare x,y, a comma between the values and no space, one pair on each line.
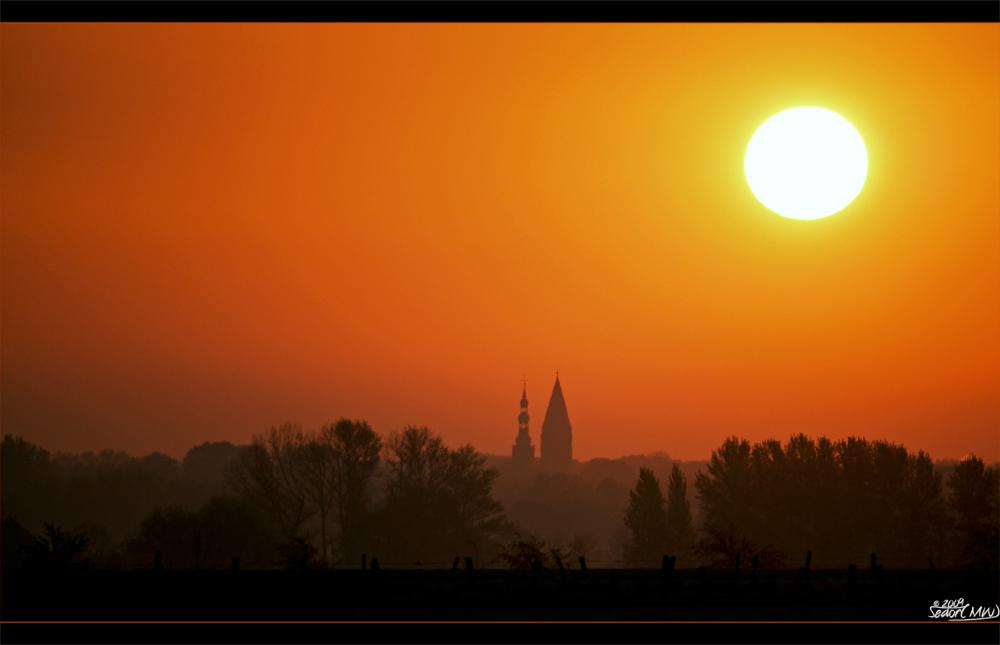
55,549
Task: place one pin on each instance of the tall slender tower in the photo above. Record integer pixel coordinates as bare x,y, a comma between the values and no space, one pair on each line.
523,453
557,434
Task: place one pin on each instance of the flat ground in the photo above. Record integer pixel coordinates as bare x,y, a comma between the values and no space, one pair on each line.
601,594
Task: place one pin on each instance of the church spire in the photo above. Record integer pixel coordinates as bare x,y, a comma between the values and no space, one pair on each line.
557,433
523,453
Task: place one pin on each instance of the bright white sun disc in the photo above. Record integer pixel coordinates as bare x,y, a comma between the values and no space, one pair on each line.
806,163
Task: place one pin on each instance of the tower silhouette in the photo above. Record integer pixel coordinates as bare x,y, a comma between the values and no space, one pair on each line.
523,453
557,434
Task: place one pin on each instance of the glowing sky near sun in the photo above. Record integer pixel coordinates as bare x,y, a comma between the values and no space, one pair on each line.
211,229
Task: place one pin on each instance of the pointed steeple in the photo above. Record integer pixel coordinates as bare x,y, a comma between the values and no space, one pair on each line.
557,433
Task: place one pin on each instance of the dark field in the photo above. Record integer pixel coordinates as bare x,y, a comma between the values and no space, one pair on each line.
601,594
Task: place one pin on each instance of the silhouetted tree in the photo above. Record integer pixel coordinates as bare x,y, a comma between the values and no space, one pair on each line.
103,550
889,502
728,492
823,504
14,542
272,474
319,474
297,553
204,469
523,551
975,504
796,500
438,501
211,536
885,493
922,519
857,475
680,534
721,547
298,476
207,462
231,527
55,549
174,532
646,519
356,449
29,481
161,465
841,500
475,516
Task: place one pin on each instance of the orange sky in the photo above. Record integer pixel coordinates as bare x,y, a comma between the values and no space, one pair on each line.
211,229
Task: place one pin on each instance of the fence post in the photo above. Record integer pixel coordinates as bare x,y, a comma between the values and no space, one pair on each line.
666,569
374,565
470,576
454,567
583,567
562,572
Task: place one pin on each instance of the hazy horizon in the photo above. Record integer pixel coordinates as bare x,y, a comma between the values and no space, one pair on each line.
989,460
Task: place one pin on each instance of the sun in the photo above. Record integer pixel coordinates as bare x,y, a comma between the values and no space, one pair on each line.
806,163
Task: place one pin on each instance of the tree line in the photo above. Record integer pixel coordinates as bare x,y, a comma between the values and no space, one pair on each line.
290,498
298,499
841,500
436,500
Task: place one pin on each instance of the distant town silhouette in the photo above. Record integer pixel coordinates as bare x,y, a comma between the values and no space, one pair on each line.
345,498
